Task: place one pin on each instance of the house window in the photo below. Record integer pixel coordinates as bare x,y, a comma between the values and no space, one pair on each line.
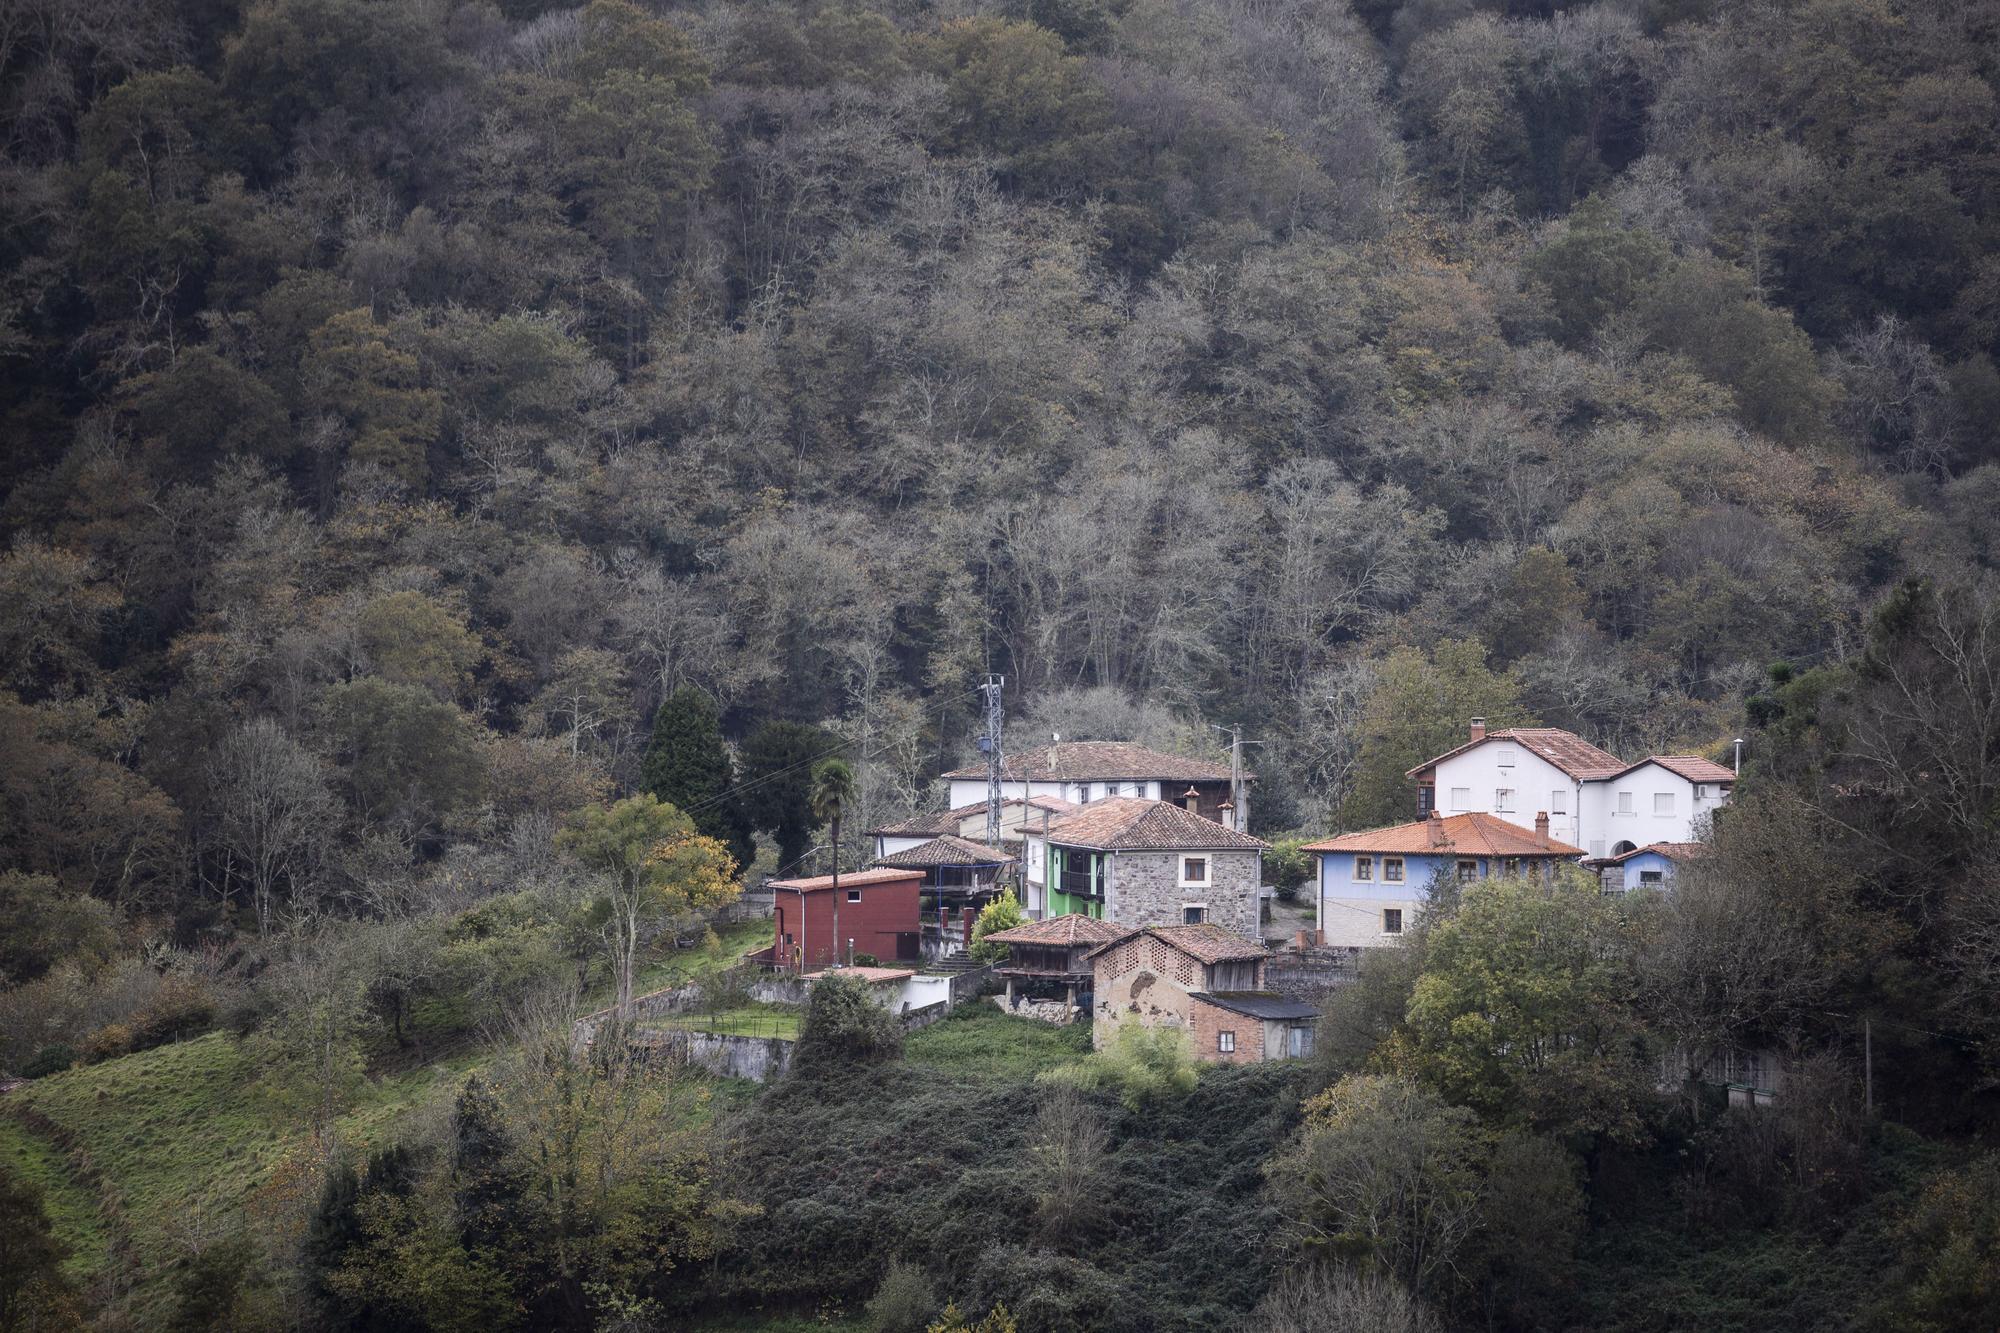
1507,756
1194,870
1624,802
854,895
1468,871
1503,799
1392,921
1651,877
1558,802
1461,798
1225,1042
1193,914
1364,867
1663,803
1392,869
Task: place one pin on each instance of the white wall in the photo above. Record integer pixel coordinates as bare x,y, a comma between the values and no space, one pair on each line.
968,791
1605,826
1534,781
886,843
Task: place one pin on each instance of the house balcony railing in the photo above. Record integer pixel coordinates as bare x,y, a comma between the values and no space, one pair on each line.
1077,883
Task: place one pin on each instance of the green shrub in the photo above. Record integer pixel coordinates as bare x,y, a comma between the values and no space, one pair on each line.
1003,913
107,1043
51,1059
1144,1067
905,1301
181,1008
843,1024
1287,866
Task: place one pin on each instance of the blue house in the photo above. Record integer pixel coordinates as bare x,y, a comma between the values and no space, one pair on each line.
1648,867
1372,884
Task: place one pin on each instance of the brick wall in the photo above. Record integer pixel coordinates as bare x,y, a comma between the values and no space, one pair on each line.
1144,890
1209,1020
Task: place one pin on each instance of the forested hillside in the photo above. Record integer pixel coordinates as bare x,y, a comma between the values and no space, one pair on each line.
428,419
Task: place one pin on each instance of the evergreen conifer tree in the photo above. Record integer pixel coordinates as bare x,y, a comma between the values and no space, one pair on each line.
688,766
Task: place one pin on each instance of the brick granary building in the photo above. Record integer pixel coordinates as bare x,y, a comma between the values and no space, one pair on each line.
1204,980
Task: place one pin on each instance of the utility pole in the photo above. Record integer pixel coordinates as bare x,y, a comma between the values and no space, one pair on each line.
1236,744
1868,1066
1739,756
990,743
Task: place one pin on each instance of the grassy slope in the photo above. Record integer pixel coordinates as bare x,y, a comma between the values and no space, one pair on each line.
979,1040
185,1139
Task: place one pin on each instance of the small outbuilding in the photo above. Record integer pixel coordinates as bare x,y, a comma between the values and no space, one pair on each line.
1049,958
827,920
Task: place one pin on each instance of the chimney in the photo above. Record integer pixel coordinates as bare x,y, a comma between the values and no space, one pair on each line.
1190,798
1541,824
1434,826
1229,814
1479,728
1055,739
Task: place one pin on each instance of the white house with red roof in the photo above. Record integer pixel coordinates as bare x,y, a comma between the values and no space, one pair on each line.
1085,771
1591,797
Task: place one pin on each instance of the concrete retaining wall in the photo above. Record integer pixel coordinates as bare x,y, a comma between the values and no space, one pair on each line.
759,1059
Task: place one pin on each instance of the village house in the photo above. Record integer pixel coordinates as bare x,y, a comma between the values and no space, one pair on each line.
1085,771
829,920
960,878
1144,863
968,822
1049,959
1591,797
1203,980
1372,884
1648,867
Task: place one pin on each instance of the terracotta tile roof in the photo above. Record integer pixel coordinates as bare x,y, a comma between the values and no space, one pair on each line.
946,850
1693,767
1477,833
1066,931
874,976
1132,824
1205,943
1673,851
949,821
852,879
1565,749
1257,1004
1099,761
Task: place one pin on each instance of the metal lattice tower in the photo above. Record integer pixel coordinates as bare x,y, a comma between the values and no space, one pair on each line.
990,743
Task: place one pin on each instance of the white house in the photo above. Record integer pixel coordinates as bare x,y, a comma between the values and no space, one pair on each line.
966,821
1085,771
1650,867
1593,799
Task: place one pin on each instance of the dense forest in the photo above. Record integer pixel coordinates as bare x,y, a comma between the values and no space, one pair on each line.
449,443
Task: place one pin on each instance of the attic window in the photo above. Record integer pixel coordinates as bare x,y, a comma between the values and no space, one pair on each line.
1506,756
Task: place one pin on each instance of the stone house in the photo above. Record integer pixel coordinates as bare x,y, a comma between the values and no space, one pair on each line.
1138,862
1203,980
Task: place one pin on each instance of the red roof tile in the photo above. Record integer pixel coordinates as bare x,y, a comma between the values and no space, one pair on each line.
1066,931
853,879
1565,749
1099,761
947,850
949,821
1131,824
1478,834
1205,943
1673,851
1693,767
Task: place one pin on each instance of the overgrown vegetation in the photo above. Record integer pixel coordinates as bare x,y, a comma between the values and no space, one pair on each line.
484,479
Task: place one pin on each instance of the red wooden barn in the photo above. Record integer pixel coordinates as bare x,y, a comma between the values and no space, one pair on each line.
872,912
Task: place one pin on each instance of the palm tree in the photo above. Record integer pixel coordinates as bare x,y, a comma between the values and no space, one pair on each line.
832,792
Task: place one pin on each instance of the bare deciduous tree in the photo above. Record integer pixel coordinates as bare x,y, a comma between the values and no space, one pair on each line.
275,811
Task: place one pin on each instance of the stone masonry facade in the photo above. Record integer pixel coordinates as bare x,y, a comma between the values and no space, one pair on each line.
1144,889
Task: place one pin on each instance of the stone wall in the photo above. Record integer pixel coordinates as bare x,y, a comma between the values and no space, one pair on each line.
759,1059
1311,974
1144,889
